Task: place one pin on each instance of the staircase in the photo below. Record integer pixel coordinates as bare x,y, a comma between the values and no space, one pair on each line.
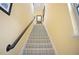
38,42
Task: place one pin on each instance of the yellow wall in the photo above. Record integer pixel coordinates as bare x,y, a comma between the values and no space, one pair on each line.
57,22
11,26
60,29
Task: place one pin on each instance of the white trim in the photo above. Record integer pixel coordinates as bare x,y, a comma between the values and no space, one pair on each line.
50,37
24,45
74,24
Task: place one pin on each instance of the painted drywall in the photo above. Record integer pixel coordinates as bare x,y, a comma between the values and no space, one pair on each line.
38,8
74,18
11,26
57,22
59,27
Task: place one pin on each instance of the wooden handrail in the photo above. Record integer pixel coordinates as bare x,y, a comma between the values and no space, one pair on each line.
11,46
44,11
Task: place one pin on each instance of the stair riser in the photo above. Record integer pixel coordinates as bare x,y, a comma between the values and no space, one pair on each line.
38,42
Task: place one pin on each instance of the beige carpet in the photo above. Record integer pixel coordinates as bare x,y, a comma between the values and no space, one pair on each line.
38,42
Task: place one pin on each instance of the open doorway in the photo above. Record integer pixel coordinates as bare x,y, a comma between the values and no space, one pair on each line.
39,12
